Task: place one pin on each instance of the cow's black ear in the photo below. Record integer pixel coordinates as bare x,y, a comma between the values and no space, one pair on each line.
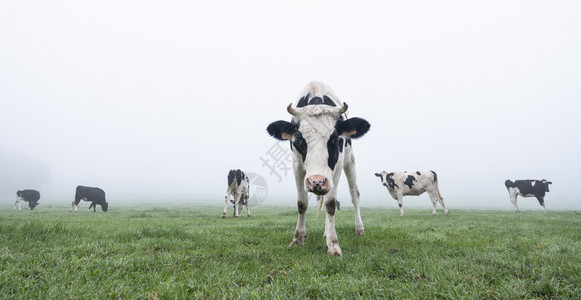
354,127
281,130
377,174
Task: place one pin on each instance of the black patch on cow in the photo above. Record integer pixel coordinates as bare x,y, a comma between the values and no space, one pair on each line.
302,208
277,128
418,172
361,127
328,101
300,144
341,142
239,176
349,142
435,176
304,101
409,181
333,149
390,181
231,177
316,101
330,206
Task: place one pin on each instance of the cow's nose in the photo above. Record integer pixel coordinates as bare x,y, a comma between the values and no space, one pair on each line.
317,184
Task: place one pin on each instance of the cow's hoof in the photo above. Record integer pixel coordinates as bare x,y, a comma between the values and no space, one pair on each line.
297,241
360,232
334,250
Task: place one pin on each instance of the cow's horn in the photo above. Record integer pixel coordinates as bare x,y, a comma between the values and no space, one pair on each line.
291,110
343,108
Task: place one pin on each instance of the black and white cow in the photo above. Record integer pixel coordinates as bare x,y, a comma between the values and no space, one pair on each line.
320,139
400,184
527,188
238,187
30,196
94,195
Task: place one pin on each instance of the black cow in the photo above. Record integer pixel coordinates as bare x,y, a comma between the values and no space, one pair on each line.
527,188
93,194
30,196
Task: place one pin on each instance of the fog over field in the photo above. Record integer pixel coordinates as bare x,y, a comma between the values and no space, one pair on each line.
155,101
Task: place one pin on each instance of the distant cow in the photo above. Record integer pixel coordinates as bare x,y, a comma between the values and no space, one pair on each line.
92,194
320,136
527,188
238,187
400,184
30,196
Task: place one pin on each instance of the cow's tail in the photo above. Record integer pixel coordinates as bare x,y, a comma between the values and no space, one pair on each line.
437,186
438,190
320,205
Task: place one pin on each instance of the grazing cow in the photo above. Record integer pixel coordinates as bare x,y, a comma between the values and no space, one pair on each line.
527,188
238,187
30,196
320,139
400,184
92,194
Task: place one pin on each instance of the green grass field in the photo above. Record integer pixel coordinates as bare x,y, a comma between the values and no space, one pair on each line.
190,252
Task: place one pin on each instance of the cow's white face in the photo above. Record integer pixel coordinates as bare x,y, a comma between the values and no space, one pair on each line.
316,129
318,134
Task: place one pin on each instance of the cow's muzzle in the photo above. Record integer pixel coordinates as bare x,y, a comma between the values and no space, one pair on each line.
317,184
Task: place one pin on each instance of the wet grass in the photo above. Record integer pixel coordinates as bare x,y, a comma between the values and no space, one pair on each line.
190,252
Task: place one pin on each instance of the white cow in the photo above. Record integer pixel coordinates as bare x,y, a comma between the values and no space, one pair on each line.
320,137
400,184
238,186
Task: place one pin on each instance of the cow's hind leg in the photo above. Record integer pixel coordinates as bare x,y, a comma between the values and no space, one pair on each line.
351,174
236,204
434,200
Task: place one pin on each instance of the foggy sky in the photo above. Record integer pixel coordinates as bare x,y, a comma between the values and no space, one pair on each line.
156,101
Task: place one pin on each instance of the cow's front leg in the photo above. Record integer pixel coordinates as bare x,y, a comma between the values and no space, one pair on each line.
74,207
542,203
351,174
332,240
300,229
400,203
513,200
